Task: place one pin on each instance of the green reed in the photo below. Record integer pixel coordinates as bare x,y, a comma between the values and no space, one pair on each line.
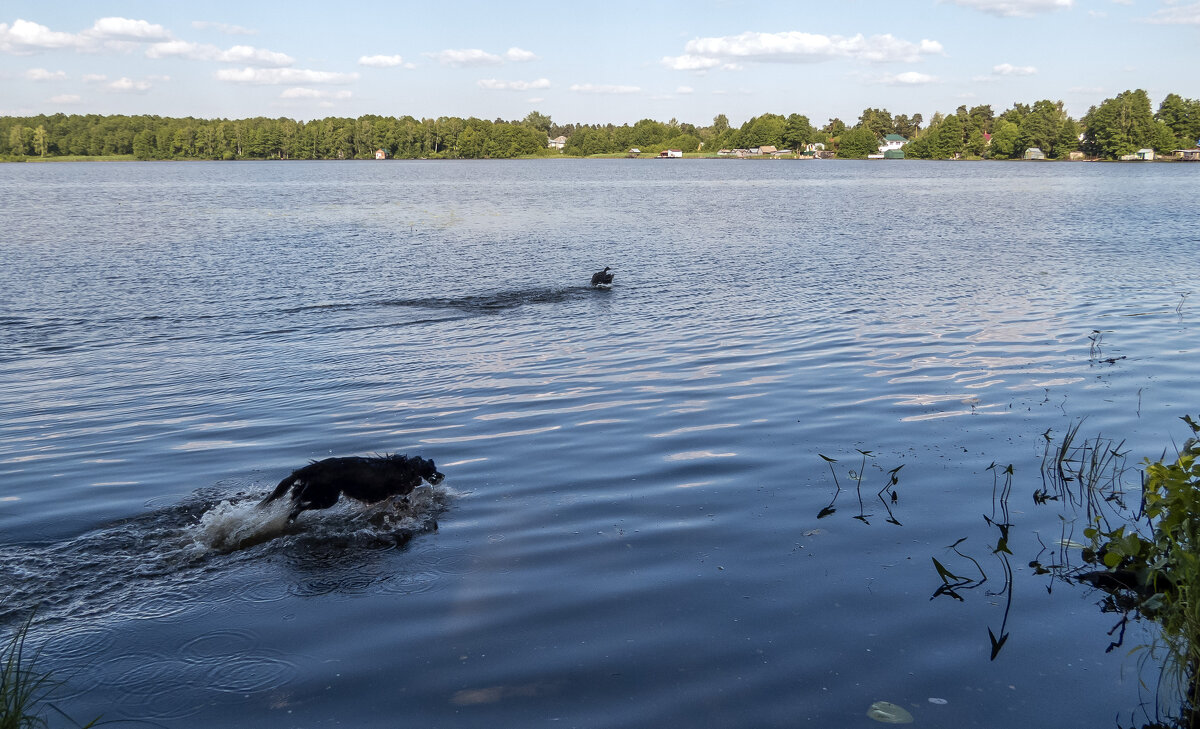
25,690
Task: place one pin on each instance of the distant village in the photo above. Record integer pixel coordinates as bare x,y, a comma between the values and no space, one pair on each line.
891,148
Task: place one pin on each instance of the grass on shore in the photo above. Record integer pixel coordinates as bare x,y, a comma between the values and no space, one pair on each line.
24,690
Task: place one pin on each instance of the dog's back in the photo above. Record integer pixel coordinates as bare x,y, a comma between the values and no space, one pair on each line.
370,479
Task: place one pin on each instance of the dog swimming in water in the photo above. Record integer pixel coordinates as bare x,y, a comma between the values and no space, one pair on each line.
602,278
368,479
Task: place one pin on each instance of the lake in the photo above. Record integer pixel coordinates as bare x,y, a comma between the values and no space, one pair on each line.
628,531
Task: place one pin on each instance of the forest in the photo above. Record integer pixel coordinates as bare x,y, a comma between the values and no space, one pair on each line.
1117,126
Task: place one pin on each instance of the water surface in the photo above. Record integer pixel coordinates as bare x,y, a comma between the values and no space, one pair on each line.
628,532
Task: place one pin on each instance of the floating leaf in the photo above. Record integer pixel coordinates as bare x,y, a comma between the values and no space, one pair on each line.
939,702
889,713
944,573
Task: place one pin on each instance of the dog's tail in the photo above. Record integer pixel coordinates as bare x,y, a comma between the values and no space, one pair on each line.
280,490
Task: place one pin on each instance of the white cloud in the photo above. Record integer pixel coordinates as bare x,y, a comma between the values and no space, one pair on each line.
93,78
280,76
24,37
381,61
908,78
534,100
1007,69
1176,15
466,57
305,93
519,55
207,52
127,29
604,89
1015,8
41,74
689,62
65,99
255,57
684,90
797,47
126,85
497,85
225,28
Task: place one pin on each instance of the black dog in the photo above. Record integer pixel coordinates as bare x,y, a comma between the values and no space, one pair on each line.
319,484
602,278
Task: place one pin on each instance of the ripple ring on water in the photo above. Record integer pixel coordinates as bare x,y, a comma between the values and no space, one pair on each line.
249,674
218,645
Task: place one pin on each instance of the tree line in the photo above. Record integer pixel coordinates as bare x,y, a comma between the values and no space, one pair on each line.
1117,126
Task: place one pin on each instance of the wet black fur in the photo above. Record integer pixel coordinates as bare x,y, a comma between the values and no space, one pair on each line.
370,479
602,278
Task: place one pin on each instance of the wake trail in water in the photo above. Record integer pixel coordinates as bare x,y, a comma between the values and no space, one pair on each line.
122,569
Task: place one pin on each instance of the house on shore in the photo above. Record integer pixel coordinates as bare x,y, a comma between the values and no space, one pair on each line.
557,143
381,154
1190,155
1035,153
892,141
671,154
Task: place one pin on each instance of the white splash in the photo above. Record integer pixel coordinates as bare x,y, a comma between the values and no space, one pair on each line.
233,525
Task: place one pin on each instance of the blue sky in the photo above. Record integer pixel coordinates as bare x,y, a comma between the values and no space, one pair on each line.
614,61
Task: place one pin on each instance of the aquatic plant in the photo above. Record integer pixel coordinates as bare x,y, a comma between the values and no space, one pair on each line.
999,519
1152,557
889,487
24,689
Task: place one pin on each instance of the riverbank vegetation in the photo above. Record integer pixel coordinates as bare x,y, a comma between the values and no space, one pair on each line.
1141,550
1118,126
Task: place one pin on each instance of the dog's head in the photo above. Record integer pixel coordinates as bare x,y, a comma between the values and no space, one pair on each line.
427,470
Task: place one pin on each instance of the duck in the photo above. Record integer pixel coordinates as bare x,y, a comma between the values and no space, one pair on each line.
602,278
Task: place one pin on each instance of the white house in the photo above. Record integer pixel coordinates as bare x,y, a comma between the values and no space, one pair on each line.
557,143
892,141
671,153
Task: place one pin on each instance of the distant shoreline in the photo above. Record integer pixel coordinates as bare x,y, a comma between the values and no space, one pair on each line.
689,156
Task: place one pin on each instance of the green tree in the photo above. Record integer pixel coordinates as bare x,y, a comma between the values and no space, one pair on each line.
762,130
834,127
1068,138
1182,117
981,118
720,124
905,126
879,121
947,141
41,140
1006,141
1040,126
976,145
143,144
798,132
857,143
538,120
1121,126
16,139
